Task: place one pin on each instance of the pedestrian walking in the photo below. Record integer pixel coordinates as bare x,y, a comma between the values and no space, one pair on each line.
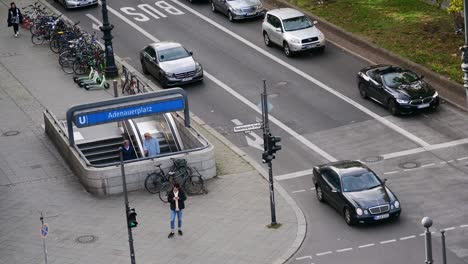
176,198
151,146
128,152
14,18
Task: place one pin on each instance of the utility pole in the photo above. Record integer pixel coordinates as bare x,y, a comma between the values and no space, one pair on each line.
269,147
129,212
111,70
464,50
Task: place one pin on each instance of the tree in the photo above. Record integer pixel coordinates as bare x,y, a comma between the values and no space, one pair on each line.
456,9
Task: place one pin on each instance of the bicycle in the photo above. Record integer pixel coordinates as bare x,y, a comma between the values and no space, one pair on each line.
155,180
192,185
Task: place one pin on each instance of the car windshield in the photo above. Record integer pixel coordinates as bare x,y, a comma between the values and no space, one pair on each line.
172,54
360,182
297,23
395,79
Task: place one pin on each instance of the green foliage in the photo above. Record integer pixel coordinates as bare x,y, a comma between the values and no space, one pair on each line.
456,6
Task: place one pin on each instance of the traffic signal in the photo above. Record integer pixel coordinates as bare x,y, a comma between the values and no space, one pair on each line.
273,144
266,157
131,218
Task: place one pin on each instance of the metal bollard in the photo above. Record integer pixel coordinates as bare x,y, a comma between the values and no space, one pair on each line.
116,92
427,223
444,253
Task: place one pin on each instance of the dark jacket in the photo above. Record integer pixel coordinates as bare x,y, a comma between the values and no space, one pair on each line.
12,12
128,154
182,198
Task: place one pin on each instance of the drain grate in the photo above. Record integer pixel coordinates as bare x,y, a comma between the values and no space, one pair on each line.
86,239
409,165
372,159
11,133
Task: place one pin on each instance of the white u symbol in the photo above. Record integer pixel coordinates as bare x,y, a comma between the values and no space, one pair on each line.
82,120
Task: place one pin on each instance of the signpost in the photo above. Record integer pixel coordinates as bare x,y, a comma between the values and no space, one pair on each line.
247,127
44,232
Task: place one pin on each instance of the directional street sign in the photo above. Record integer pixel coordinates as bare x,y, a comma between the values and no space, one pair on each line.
247,127
44,230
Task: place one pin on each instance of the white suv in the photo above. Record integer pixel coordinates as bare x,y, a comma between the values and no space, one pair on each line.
291,30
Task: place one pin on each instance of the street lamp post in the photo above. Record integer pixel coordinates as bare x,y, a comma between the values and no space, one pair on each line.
427,223
111,70
464,50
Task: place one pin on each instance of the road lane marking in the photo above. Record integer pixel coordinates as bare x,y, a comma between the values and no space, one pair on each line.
313,188
391,172
427,165
450,161
323,253
298,191
293,175
304,257
407,237
402,153
344,249
464,158
449,228
343,97
368,245
293,133
408,152
388,241
443,162
463,226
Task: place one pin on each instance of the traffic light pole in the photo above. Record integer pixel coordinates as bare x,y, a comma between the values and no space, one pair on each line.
127,208
266,133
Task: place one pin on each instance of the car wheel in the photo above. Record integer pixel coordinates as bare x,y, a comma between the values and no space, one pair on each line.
319,193
392,107
230,17
162,82
143,67
266,39
286,50
321,49
362,90
348,217
213,7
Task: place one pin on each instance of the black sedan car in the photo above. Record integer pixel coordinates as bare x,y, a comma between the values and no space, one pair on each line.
398,89
355,191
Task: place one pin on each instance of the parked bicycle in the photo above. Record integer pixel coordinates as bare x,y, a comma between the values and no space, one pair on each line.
155,180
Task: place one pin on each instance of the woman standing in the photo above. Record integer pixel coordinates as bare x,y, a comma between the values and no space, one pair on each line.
176,198
14,17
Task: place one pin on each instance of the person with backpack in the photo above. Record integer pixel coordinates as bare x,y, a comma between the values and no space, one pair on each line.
14,18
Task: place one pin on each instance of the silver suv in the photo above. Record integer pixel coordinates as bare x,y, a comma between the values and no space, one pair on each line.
291,30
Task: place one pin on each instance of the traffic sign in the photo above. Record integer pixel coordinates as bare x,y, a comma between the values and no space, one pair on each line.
44,230
247,127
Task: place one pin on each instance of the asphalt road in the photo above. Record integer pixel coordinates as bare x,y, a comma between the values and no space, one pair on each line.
319,115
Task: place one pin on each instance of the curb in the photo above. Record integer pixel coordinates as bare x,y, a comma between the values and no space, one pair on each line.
301,222
450,91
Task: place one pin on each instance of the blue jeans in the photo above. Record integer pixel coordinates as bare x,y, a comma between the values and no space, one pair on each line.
179,219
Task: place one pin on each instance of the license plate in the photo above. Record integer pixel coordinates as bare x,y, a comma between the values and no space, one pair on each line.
309,46
378,217
423,106
250,14
186,79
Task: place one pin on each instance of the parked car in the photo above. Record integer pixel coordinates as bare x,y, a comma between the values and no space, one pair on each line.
291,30
355,191
68,4
170,63
398,89
238,9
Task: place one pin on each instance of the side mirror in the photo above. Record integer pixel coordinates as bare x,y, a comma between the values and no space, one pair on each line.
385,181
190,52
278,30
315,22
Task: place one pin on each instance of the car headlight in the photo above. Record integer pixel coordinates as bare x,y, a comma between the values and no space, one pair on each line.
359,211
236,10
198,67
402,101
396,204
366,212
168,74
321,35
435,94
293,40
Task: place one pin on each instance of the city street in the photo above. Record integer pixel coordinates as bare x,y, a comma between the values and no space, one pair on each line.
317,111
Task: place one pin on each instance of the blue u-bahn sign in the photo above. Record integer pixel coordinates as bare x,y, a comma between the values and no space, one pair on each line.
128,107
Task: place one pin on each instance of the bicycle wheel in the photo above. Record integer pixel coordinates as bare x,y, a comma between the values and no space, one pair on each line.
37,39
67,65
194,185
55,45
79,67
153,183
165,188
185,171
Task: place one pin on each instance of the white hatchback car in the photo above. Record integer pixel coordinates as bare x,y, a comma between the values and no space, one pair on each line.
291,30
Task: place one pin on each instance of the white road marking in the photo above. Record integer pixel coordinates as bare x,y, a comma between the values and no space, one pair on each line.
257,142
313,188
293,133
344,249
463,226
402,153
298,191
368,245
452,143
427,165
410,169
450,161
443,162
449,144
406,238
323,253
391,172
449,228
97,23
382,120
464,158
293,175
388,241
304,257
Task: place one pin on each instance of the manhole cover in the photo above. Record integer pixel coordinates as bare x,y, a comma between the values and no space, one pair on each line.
372,159
409,165
86,239
11,133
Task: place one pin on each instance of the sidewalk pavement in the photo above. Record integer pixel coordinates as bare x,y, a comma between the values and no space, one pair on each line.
228,225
